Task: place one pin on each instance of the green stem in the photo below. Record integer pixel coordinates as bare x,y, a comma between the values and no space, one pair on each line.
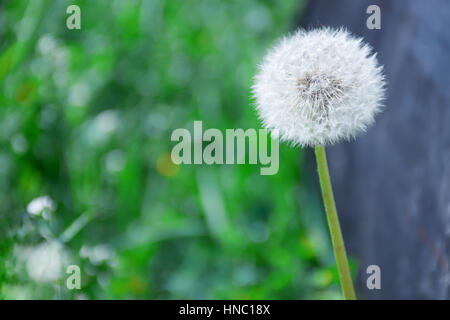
333,224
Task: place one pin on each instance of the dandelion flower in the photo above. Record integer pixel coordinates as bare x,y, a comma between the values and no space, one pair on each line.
316,88
319,87
42,205
44,262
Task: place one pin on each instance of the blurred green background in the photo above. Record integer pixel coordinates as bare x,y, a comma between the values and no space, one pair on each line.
85,171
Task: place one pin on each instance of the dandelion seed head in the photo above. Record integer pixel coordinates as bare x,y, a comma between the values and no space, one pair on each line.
319,87
44,262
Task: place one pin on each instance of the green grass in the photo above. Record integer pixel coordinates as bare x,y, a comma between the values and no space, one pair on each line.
86,117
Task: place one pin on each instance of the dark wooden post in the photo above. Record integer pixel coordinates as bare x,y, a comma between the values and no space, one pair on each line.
392,184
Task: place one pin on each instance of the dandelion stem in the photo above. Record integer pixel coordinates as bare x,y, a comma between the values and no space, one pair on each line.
333,224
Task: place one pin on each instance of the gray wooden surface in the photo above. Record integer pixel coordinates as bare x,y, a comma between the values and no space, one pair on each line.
392,185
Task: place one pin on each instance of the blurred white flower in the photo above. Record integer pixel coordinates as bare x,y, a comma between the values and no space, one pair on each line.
47,44
98,254
79,94
115,160
107,121
45,262
319,87
100,129
19,143
41,205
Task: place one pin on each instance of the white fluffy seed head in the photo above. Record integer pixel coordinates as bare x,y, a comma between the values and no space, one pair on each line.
319,87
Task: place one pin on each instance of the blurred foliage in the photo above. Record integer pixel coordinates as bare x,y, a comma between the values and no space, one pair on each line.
85,171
